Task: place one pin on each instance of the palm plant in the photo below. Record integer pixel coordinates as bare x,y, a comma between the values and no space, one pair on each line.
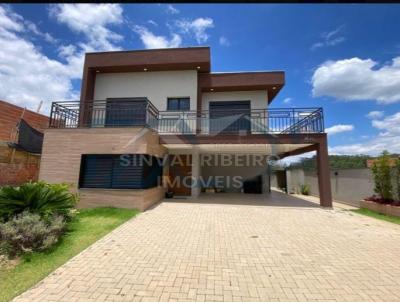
36,197
305,189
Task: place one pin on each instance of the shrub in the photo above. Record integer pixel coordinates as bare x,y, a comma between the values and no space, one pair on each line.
29,232
305,189
397,178
382,176
36,197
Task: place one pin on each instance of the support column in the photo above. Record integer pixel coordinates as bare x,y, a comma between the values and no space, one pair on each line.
324,180
195,173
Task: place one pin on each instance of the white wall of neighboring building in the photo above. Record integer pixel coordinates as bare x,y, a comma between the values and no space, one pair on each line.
157,86
258,98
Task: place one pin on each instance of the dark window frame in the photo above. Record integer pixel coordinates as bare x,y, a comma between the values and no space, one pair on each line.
180,100
125,112
116,180
221,109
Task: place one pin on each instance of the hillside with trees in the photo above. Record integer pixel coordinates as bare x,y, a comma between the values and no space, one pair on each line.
335,162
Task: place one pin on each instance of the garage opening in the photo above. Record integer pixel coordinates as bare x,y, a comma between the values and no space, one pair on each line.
253,185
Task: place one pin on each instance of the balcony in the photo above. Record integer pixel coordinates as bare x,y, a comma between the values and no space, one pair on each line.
141,112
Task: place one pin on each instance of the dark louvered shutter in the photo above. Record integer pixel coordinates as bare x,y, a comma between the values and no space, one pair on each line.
139,171
229,116
96,171
127,175
126,112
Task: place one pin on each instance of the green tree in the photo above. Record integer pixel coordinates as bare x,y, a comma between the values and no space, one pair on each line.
335,162
397,177
382,176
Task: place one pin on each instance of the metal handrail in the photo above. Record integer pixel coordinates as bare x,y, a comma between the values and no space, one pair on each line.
142,112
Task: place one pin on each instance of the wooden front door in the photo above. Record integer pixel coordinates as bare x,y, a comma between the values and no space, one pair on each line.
180,172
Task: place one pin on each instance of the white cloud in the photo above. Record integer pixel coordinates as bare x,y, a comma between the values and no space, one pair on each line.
375,114
374,146
172,10
151,40
356,79
196,27
387,139
339,128
26,75
330,38
35,30
224,41
390,125
10,21
152,22
92,20
287,100
67,50
296,158
74,57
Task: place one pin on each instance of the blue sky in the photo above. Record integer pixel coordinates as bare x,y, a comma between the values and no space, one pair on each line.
344,58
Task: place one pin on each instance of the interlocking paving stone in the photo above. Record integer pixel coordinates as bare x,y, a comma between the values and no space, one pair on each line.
242,248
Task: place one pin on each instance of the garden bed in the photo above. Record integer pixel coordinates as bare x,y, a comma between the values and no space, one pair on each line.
88,226
387,209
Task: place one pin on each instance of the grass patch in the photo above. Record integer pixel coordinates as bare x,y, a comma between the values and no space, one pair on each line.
366,212
87,227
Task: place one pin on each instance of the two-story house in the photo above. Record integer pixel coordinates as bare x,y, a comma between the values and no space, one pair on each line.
167,104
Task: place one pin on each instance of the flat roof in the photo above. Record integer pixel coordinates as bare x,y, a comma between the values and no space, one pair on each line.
197,58
185,58
272,81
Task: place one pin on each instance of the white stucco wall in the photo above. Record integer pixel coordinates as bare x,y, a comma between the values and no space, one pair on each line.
157,86
258,98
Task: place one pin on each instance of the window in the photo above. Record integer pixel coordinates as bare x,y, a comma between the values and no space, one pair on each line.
128,171
126,112
230,116
178,104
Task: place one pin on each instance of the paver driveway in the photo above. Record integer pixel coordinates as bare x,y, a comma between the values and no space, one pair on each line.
289,250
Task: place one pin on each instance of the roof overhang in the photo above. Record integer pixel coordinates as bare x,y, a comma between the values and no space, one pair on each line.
278,144
273,81
300,138
264,149
196,58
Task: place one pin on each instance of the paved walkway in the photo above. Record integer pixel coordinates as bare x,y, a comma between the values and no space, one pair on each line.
276,249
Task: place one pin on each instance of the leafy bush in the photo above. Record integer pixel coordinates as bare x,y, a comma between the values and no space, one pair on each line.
36,197
29,232
305,189
397,178
382,176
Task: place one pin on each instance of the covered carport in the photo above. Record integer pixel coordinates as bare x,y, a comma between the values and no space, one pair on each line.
276,146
